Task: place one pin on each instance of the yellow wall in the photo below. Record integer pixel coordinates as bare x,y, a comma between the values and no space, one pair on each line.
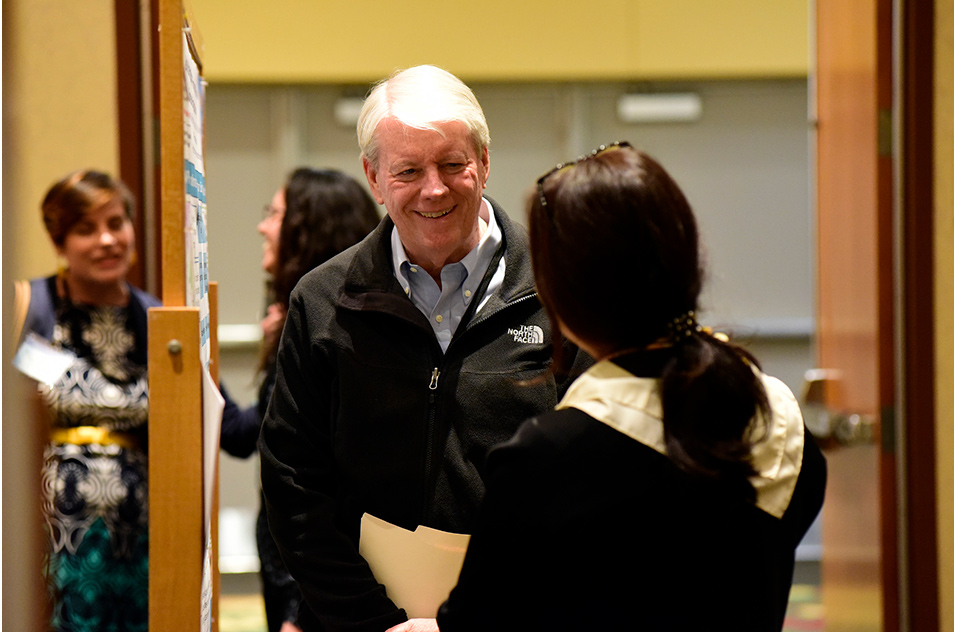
943,233
59,114
64,113
503,40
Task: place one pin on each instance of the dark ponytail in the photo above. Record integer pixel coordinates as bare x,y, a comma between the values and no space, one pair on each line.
710,396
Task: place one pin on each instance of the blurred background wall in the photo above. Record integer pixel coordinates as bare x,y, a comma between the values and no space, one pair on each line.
743,163
59,114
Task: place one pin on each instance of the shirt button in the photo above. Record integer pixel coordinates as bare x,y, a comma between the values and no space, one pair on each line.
438,318
414,269
467,293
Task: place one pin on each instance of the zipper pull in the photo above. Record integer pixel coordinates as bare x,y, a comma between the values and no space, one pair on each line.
433,385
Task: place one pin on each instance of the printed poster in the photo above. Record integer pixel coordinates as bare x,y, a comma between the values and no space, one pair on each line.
197,258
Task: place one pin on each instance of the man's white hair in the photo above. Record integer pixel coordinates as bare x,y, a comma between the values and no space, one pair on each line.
420,97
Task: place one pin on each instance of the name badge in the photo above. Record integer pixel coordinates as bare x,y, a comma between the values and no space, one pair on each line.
40,360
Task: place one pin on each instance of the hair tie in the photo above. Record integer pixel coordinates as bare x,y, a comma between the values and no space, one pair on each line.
683,327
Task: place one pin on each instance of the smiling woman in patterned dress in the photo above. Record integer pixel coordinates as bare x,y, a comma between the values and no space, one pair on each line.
95,464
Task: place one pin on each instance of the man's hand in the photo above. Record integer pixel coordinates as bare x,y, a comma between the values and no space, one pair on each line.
272,323
288,626
416,625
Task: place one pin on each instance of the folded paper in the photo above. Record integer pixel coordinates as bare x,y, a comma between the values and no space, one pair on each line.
418,568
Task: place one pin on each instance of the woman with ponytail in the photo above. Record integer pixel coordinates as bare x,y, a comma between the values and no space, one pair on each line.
672,484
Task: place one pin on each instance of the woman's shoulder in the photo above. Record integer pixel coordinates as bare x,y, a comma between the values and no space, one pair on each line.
145,298
558,427
42,290
35,301
567,435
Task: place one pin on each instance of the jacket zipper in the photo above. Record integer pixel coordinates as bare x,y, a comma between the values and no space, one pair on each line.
485,317
432,399
430,442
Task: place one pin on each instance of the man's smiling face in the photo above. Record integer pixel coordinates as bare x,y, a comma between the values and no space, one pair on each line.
430,184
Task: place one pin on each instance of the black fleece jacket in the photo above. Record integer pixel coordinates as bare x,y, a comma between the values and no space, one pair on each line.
368,415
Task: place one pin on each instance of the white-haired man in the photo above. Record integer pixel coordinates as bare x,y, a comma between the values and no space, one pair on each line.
405,358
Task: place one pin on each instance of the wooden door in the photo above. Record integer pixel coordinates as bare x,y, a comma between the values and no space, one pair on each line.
855,306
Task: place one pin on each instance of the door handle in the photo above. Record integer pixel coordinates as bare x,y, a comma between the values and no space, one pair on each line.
829,426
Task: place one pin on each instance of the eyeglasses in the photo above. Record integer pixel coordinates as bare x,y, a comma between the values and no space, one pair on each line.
564,165
269,211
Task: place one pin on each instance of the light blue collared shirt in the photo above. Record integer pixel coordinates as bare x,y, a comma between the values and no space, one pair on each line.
445,306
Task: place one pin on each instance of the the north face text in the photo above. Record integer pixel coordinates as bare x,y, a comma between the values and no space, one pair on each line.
527,334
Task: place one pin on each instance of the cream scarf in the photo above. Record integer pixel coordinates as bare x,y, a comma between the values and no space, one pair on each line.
632,405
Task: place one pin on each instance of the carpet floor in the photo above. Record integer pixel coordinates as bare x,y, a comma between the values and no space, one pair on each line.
244,612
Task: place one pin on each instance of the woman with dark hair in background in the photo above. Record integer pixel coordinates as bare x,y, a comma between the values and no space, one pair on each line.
674,481
316,215
93,322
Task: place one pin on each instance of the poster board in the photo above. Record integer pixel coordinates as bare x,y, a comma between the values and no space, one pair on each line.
196,258
185,405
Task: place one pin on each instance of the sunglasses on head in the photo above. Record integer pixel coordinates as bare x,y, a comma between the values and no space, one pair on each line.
565,165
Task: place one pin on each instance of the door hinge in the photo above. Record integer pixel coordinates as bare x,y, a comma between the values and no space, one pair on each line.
888,429
885,132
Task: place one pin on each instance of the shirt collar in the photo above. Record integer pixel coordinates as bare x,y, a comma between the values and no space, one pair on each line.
632,405
476,260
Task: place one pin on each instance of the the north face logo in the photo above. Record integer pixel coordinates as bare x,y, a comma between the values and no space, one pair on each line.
528,334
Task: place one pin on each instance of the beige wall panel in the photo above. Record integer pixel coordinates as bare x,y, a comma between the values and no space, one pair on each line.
65,113
59,114
503,40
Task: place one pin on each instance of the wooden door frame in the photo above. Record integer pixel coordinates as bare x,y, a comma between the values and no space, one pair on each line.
137,89
129,94
915,103
902,128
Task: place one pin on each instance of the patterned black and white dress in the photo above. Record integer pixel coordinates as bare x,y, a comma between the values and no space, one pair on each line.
95,472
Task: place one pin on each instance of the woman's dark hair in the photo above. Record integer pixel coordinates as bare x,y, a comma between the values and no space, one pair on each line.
326,212
71,198
616,259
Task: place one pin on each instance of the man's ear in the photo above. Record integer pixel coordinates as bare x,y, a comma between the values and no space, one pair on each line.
486,161
371,174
